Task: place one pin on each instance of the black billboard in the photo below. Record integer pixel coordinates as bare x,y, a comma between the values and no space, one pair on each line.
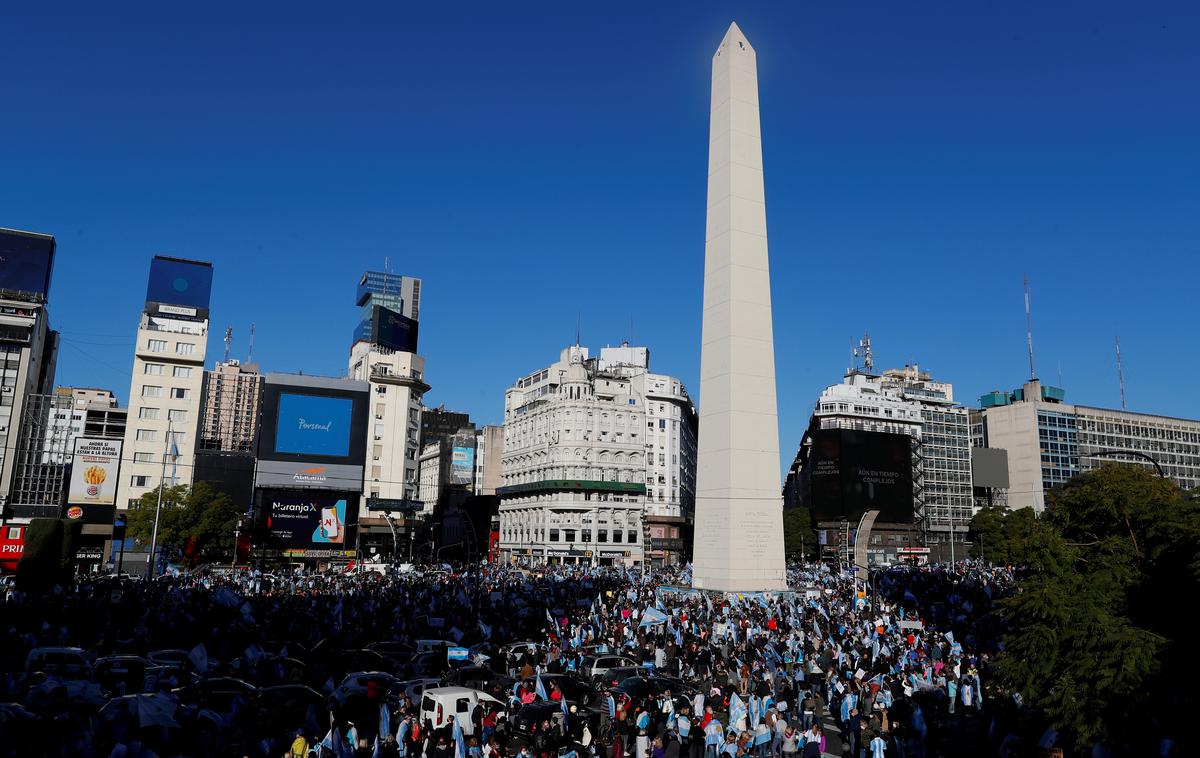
317,423
182,286
855,471
26,262
310,523
393,330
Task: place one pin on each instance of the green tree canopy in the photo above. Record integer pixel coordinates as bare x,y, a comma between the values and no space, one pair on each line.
194,520
1096,640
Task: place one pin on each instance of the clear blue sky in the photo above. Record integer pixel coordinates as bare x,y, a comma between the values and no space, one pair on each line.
535,161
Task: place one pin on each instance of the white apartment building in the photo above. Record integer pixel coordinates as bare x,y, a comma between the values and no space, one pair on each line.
582,440
230,405
164,398
168,378
432,473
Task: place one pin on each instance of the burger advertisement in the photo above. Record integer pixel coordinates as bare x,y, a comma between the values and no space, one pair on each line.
94,470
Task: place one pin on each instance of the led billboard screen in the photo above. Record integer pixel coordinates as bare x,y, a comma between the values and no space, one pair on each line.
313,420
174,281
310,523
394,330
854,472
313,425
462,466
26,262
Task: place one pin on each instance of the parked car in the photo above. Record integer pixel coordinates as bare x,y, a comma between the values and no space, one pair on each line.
121,674
618,674
595,667
412,689
218,693
479,678
62,662
575,690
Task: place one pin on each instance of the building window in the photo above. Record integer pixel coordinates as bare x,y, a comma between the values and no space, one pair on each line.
156,346
632,537
153,369
616,535
177,415
147,435
184,348
148,413
140,481
180,393
150,390
182,372
602,535
143,457
554,535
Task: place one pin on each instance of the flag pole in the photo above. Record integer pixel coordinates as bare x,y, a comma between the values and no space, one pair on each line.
158,508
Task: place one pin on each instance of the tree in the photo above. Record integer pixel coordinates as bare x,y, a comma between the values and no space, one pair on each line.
1095,640
799,534
194,520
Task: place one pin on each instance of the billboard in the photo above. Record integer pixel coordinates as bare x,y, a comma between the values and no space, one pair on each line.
855,471
393,330
26,262
308,475
313,425
182,283
313,524
94,471
314,420
462,466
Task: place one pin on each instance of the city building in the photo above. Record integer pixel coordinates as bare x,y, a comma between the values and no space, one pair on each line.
168,376
41,455
93,412
879,408
489,450
946,482
581,447
433,472
438,423
384,355
1049,441
229,407
28,347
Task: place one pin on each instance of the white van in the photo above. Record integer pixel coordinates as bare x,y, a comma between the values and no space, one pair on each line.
439,704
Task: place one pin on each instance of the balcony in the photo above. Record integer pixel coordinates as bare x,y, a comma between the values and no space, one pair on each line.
383,374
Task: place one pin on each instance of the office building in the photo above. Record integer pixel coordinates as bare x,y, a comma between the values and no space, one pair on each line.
93,412
582,440
384,355
229,407
1049,441
168,377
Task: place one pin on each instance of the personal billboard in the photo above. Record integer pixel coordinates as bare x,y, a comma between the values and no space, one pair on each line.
182,283
95,467
313,425
856,471
309,520
394,330
26,262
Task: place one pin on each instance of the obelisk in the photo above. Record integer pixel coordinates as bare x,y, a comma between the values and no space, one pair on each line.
738,544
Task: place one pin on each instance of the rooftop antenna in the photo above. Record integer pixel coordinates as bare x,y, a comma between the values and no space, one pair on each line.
250,350
228,341
1121,373
1060,381
864,351
578,320
1029,329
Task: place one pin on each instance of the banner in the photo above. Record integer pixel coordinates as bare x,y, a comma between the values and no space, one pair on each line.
94,471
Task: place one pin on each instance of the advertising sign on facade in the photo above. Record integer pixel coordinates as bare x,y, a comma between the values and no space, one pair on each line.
313,425
855,471
175,281
306,521
394,330
26,261
462,466
94,470
320,476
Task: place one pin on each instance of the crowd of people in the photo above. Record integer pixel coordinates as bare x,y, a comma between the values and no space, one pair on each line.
898,665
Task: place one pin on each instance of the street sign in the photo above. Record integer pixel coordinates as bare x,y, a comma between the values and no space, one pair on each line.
404,505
